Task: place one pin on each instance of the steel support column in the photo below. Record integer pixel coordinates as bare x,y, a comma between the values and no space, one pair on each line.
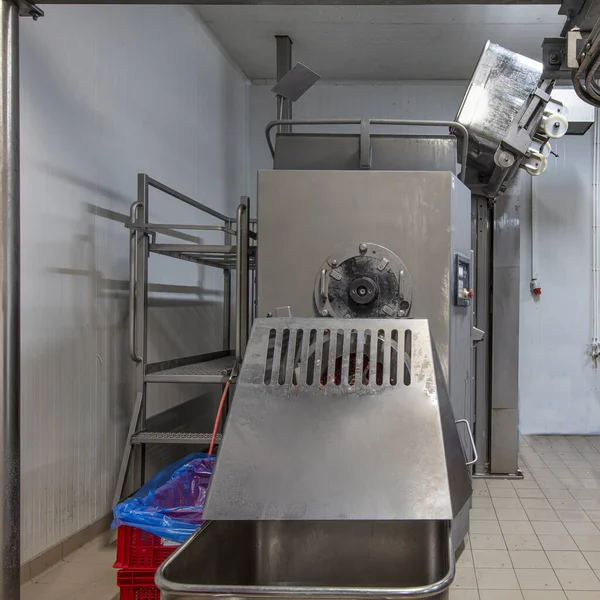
483,321
504,423
284,65
10,446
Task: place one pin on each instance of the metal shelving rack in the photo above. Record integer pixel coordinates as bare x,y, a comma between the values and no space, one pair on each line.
210,368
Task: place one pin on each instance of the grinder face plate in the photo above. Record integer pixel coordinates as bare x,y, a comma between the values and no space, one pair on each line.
363,291
360,281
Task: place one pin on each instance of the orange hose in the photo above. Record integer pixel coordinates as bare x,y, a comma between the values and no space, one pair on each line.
214,434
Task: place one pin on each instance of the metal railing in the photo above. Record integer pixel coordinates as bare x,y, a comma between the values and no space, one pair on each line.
364,131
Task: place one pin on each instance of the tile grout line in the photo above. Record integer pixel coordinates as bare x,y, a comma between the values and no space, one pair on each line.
506,544
542,546
504,539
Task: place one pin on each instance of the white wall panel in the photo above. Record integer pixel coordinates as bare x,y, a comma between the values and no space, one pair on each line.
107,92
558,380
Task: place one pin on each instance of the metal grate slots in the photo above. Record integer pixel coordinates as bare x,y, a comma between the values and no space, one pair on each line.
320,357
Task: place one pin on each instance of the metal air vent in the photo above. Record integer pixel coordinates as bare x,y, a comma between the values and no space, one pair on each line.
350,357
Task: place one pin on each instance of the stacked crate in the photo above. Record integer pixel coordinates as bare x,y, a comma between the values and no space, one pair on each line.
139,554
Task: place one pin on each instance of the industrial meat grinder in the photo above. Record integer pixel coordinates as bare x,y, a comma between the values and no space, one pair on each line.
341,466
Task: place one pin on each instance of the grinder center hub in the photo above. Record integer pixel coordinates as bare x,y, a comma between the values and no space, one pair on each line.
363,290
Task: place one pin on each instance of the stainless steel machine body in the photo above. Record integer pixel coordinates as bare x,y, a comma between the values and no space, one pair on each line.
340,472
423,217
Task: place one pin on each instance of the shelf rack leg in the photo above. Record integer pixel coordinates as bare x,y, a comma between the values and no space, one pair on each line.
124,468
138,313
141,313
242,278
227,296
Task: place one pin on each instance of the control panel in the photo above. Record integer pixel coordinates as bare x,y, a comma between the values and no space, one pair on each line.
463,292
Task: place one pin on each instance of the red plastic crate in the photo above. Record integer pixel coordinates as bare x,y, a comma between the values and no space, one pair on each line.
137,585
140,550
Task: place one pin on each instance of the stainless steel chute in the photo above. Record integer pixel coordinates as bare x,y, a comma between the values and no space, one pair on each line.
327,424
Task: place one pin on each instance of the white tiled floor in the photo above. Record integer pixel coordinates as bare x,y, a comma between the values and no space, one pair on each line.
535,539
86,575
539,538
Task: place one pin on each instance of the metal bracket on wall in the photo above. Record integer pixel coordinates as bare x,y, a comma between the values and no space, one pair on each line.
27,9
365,144
554,59
477,335
486,475
284,65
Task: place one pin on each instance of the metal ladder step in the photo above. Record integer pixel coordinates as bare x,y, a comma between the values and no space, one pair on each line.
207,368
168,437
223,257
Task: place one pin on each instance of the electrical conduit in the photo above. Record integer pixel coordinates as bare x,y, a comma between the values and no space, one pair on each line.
595,348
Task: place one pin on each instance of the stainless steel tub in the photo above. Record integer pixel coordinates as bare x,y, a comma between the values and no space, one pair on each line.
312,559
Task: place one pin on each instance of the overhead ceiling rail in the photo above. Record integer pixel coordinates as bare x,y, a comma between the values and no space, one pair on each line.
307,2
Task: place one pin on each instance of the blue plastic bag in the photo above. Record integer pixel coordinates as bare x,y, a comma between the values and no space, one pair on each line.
170,505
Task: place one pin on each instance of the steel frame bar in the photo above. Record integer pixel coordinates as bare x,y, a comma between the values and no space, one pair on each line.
284,65
10,375
302,2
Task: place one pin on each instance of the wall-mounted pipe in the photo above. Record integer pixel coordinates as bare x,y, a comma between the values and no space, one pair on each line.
534,284
595,345
533,265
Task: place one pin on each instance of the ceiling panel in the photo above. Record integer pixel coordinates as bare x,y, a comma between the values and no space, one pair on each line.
382,42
